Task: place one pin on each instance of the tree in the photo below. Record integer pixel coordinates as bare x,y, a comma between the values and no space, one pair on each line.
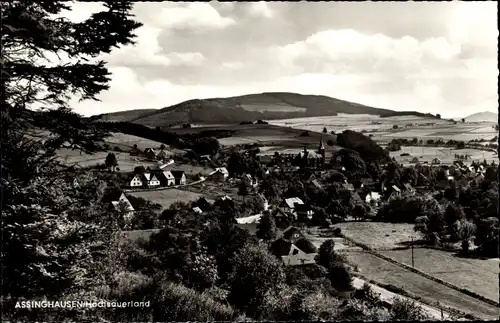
243,188
340,277
162,147
395,126
139,170
466,233
487,236
111,161
438,116
329,142
266,228
255,273
407,310
35,199
327,256
325,130
463,120
359,212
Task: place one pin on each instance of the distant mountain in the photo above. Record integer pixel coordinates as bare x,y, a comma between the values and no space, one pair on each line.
264,106
485,116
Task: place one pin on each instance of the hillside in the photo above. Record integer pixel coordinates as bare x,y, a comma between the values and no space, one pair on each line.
485,116
266,106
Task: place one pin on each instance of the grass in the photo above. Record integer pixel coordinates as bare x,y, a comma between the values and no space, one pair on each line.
476,275
126,163
167,197
378,235
385,272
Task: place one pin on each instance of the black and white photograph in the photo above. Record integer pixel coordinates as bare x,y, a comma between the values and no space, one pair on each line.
249,161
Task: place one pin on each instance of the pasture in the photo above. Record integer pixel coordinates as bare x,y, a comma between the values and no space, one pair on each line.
385,272
168,197
446,155
379,235
126,142
476,275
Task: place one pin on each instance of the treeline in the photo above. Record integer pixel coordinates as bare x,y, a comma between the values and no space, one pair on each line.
368,149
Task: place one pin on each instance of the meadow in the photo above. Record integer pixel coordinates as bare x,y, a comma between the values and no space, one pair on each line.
168,197
477,275
385,272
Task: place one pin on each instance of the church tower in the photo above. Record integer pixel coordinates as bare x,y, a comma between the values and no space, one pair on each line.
321,151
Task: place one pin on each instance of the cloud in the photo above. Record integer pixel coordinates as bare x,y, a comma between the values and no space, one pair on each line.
260,9
430,57
192,17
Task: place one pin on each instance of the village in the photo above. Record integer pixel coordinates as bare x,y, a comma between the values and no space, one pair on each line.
314,171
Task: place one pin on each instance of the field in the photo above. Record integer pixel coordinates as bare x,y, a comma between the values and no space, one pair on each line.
446,155
126,162
379,235
476,275
382,271
126,142
167,197
382,130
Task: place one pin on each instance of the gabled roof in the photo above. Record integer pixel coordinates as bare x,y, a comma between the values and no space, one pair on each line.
348,186
168,174
177,173
136,176
317,184
408,187
290,202
123,200
395,188
147,176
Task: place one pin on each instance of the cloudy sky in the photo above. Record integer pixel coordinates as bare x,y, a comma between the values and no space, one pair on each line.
431,57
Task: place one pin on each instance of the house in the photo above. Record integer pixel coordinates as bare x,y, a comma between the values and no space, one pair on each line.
436,161
179,176
166,178
197,210
303,211
408,188
249,219
220,174
348,186
136,181
289,204
291,254
317,184
151,180
225,198
264,201
247,178
75,183
373,198
150,153
123,206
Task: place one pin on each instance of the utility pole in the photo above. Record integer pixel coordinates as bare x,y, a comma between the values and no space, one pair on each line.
412,254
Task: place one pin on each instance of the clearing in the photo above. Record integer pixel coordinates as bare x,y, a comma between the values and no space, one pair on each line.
477,275
382,271
168,197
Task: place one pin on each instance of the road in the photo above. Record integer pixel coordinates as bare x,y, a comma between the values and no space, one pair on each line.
388,297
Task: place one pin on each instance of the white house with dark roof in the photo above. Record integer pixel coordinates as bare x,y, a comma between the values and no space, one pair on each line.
136,181
151,180
124,206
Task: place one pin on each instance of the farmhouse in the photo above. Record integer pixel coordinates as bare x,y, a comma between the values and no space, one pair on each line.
136,181
291,254
166,178
179,176
289,204
219,175
151,180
